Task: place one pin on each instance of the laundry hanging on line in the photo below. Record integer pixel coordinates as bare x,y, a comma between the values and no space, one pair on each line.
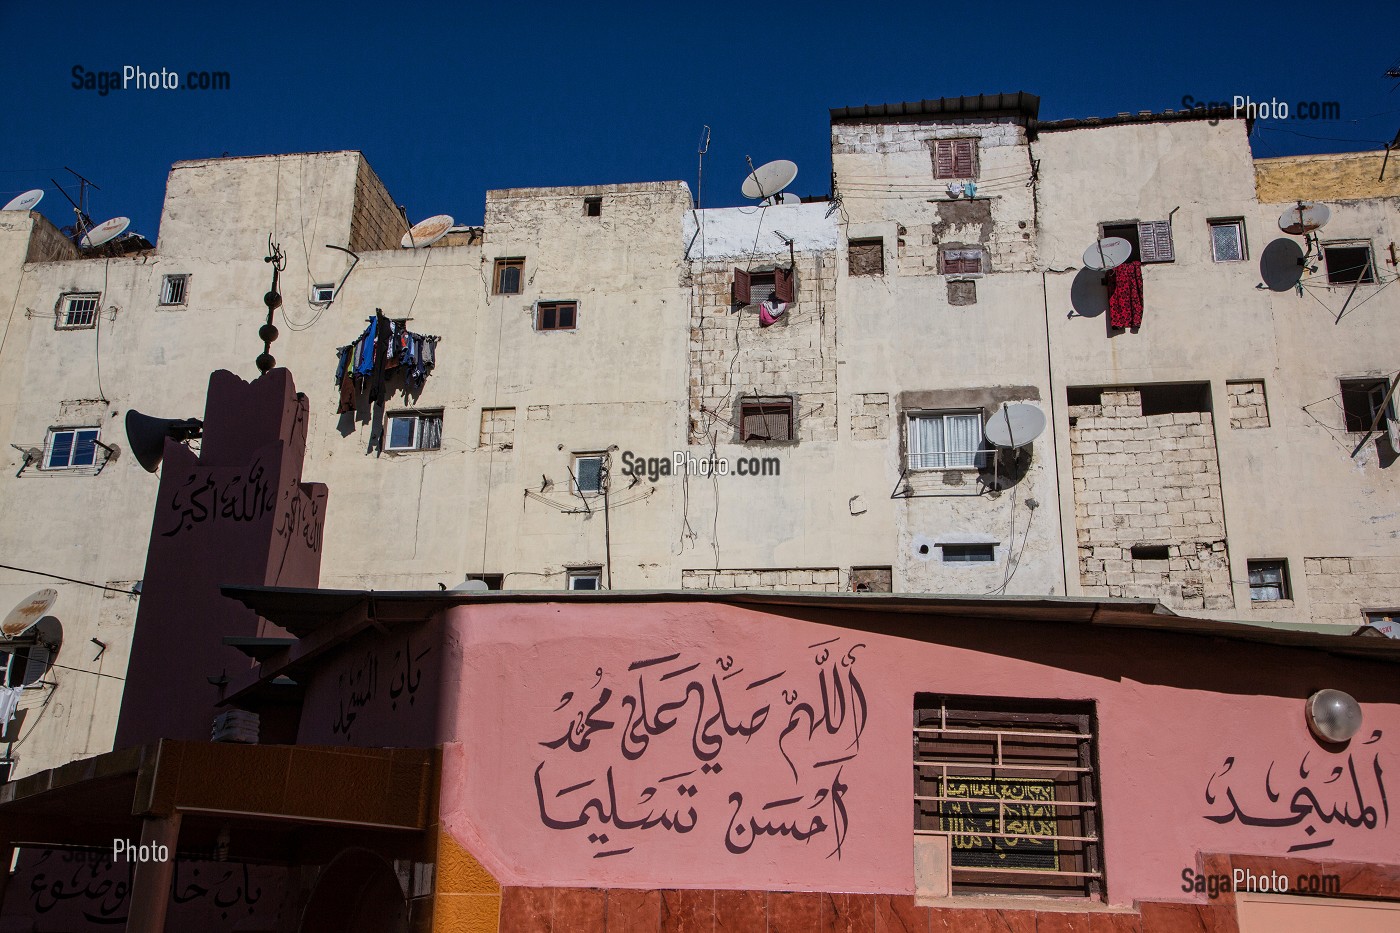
1125,295
384,348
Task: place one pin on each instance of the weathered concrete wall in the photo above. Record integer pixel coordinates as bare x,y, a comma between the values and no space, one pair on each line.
1342,589
796,579
1326,177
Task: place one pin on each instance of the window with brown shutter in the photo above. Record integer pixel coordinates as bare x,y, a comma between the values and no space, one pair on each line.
766,419
509,275
1155,241
1011,785
742,287
960,260
955,158
752,287
866,257
782,285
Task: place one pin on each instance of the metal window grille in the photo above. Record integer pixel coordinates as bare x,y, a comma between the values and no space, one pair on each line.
588,474
79,311
766,420
1012,784
1226,240
173,289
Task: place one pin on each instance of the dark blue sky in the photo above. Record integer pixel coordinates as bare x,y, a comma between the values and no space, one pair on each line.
448,100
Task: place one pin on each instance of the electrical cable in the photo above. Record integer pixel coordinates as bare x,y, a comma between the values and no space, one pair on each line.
54,576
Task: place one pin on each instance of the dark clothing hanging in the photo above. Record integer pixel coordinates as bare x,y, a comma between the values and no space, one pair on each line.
384,347
1125,295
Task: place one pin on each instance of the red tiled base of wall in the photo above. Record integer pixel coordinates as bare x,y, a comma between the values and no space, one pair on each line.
592,910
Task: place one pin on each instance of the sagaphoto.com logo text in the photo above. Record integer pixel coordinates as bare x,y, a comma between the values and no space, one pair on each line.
1242,105
136,78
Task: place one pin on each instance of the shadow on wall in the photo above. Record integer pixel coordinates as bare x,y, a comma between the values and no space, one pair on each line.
1088,296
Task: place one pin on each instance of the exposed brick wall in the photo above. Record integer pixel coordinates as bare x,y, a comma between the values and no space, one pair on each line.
47,244
1248,406
375,221
870,416
815,579
1151,480
732,356
1340,588
497,428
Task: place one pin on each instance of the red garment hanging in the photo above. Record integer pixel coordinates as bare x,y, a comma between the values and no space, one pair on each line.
1125,295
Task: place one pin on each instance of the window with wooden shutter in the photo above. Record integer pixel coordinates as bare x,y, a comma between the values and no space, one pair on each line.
1155,241
961,260
766,419
741,287
782,285
955,158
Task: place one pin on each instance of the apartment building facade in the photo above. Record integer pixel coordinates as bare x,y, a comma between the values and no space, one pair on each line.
603,349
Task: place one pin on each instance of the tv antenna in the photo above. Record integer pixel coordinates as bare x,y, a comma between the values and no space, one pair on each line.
82,222
1107,253
427,232
768,180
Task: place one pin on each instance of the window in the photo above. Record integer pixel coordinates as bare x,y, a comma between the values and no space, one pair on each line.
1151,240
944,440
968,553
866,257
510,274
493,581
1364,405
414,431
586,578
752,287
173,289
322,294
25,666
1010,784
78,311
1151,552
556,315
71,448
765,419
1227,240
593,207
1348,263
1268,581
588,474
960,260
955,158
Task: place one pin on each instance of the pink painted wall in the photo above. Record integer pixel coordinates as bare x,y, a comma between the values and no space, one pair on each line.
679,805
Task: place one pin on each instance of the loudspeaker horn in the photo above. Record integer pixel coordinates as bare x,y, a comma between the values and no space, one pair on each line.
147,435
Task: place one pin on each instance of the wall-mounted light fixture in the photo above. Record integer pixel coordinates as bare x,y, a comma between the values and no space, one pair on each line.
1333,716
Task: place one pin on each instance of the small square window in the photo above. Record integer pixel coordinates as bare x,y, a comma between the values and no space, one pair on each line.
1348,263
556,315
766,419
960,260
866,257
1227,240
586,578
78,311
173,289
71,448
510,274
322,294
955,158
1364,405
1268,581
414,431
944,440
968,553
593,207
588,474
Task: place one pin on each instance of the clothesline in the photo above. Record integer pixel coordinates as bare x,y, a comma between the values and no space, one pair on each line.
384,348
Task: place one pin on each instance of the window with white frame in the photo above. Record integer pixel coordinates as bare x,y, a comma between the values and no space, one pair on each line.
78,311
944,440
586,578
322,294
1227,240
174,289
588,474
414,430
71,448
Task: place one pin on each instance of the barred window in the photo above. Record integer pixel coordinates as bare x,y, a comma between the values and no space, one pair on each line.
1010,784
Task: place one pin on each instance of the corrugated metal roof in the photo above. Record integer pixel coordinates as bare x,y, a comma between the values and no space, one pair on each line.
1018,103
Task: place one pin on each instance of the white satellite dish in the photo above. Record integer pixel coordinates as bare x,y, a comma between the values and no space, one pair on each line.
104,232
427,232
1305,218
27,614
769,179
1015,425
26,201
788,199
1107,253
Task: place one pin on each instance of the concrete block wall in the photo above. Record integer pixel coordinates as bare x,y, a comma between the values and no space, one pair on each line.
1149,480
870,416
804,579
497,428
732,356
1248,405
1341,589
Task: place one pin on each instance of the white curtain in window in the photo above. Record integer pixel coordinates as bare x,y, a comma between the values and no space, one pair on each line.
963,439
925,442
